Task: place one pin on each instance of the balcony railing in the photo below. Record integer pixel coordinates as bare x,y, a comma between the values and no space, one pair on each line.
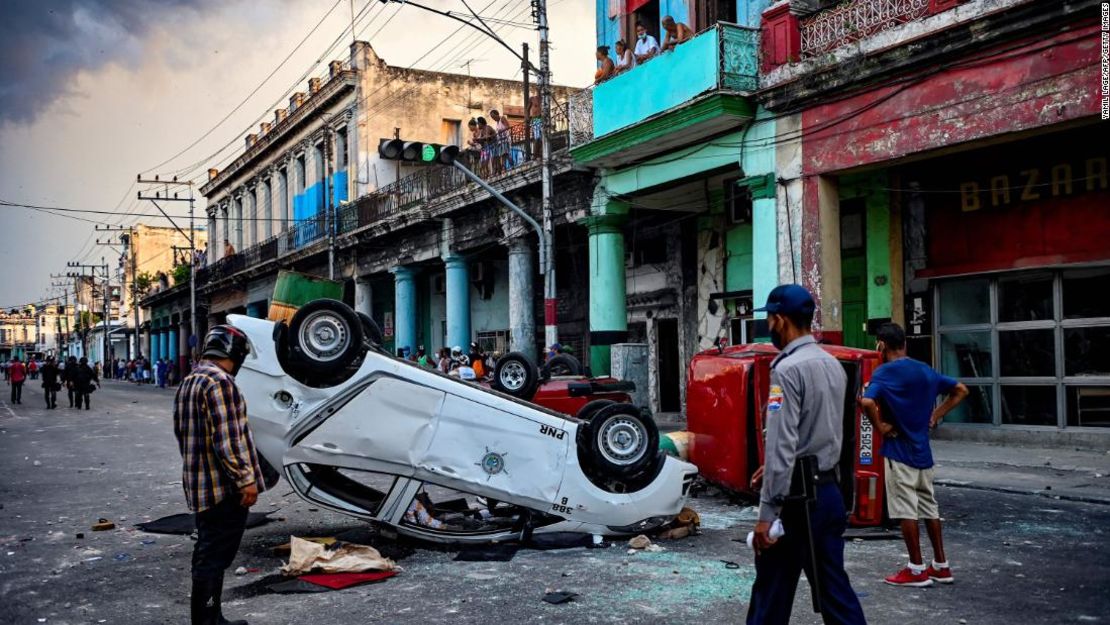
851,21
722,57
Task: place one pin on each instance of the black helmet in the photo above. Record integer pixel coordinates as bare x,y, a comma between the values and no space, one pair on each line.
224,341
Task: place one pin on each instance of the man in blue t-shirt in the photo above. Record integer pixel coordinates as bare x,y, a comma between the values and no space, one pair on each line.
900,402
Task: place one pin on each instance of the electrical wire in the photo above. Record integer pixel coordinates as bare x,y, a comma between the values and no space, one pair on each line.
253,91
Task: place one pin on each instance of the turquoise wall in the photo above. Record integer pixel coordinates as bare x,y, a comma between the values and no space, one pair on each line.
310,203
748,12
758,158
667,81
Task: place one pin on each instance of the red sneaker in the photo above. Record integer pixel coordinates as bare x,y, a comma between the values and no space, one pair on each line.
940,576
906,577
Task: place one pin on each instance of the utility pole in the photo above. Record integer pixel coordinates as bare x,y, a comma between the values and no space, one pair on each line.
550,321
128,237
329,214
526,73
66,329
164,195
103,266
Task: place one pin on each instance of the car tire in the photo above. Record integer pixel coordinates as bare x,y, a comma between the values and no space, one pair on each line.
370,330
619,441
587,412
562,364
325,337
516,375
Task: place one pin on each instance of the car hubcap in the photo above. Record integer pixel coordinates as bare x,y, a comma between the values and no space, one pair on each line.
513,376
324,336
622,440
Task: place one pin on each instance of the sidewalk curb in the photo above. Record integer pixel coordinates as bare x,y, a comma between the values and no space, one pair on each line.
1013,491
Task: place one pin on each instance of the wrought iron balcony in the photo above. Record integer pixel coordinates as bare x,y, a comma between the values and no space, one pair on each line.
851,21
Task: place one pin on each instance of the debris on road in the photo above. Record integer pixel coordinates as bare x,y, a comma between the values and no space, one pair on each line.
103,525
308,557
501,552
560,596
284,548
643,543
185,523
339,581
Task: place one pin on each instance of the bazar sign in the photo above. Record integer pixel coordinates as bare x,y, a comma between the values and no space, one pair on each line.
1031,185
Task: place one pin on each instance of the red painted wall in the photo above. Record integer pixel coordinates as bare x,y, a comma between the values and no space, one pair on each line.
1045,82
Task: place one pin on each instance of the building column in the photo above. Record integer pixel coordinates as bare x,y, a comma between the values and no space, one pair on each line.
608,301
820,254
404,322
363,297
458,302
522,322
183,348
171,344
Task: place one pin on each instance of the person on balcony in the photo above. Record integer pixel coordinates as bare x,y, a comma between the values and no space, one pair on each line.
502,139
487,141
605,67
677,32
625,61
229,249
646,45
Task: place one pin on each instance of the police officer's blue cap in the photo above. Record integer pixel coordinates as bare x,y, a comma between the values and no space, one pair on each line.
789,299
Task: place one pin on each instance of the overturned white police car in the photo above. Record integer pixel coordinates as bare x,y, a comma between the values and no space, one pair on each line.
355,430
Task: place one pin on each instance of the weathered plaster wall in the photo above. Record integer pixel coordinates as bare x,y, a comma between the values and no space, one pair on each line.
418,102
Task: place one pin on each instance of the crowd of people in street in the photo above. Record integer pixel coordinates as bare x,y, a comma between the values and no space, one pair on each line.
646,48
473,365
80,378
76,376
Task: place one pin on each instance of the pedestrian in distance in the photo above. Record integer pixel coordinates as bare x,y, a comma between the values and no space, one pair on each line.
68,374
17,373
6,366
85,381
221,474
50,383
900,402
803,427
33,369
160,373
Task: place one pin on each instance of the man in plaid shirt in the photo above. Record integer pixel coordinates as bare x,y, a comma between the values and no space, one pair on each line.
221,473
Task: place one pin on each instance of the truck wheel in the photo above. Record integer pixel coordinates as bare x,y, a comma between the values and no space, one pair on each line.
516,375
562,364
370,329
325,336
620,441
588,411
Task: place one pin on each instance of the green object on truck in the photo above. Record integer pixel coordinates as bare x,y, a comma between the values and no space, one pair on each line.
293,290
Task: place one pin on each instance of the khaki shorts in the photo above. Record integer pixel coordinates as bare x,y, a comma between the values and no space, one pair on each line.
909,492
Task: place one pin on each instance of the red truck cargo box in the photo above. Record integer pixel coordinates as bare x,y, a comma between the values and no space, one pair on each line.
726,395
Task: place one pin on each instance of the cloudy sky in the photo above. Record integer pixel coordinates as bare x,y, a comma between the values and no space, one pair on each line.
94,91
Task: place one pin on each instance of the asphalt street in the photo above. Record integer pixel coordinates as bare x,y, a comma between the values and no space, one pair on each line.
1017,558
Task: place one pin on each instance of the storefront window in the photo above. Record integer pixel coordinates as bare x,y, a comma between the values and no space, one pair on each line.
977,408
1087,351
1088,406
966,354
1021,341
1027,353
965,302
1029,405
1025,298
1086,293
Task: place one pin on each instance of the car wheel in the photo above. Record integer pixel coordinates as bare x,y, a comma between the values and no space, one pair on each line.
588,411
516,375
620,441
562,364
370,329
326,336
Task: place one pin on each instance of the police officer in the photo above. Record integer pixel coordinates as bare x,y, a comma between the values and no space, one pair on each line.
805,409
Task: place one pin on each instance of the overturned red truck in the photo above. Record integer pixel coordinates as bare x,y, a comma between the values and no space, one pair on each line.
726,399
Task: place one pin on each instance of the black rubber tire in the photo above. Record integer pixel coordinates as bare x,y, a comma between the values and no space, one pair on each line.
603,440
319,359
521,378
370,330
588,411
562,364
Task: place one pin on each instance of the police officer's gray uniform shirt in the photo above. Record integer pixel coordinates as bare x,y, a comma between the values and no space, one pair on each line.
805,412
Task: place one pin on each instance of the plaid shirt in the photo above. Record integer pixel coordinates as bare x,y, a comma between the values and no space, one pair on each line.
210,422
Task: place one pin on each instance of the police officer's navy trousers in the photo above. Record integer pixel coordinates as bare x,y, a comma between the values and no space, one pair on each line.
777,569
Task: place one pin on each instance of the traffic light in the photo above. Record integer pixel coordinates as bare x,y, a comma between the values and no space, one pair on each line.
417,152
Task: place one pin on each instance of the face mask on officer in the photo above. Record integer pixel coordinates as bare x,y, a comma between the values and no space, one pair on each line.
774,322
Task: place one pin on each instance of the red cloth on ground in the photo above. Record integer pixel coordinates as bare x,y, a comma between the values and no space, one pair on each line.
339,581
